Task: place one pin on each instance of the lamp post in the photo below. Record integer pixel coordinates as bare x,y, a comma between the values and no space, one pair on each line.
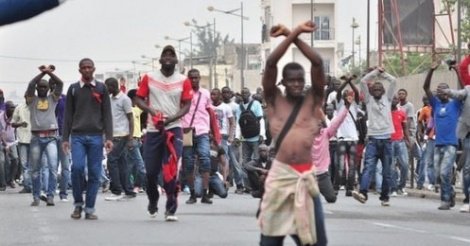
152,59
354,25
242,52
358,43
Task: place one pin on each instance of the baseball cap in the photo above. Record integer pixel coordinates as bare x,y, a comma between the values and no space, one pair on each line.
168,48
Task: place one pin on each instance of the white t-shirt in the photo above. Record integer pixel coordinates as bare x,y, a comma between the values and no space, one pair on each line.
223,113
347,131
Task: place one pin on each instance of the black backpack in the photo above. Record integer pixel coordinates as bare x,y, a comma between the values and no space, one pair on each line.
249,123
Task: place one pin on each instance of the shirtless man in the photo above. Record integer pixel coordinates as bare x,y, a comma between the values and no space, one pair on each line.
292,167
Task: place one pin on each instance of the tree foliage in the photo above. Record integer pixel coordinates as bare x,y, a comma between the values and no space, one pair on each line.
465,19
207,42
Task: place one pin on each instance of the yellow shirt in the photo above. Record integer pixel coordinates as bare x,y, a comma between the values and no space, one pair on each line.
136,111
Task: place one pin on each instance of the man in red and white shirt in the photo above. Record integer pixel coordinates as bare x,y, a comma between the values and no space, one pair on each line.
166,96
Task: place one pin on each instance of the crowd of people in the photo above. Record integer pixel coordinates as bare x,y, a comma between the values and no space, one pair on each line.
171,135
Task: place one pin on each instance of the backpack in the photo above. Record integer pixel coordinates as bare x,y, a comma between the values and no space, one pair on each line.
248,122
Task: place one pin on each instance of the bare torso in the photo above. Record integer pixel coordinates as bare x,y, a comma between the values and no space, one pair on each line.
297,144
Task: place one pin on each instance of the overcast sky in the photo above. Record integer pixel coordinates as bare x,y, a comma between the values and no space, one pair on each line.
116,32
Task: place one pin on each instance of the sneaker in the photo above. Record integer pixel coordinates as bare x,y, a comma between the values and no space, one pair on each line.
89,216
342,187
136,189
394,194
24,191
130,195
385,203
12,184
152,210
465,208
444,206
430,187
359,197
348,193
256,194
239,191
35,203
402,192
186,190
170,217
191,200
43,197
63,198
77,213
3,188
206,200
50,201
114,197
105,187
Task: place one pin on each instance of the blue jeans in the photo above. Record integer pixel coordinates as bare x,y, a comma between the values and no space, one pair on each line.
444,158
155,155
201,150
378,176
64,161
377,149
418,153
23,150
238,173
400,155
429,161
118,167
249,153
38,147
44,174
136,162
466,169
319,226
215,184
87,150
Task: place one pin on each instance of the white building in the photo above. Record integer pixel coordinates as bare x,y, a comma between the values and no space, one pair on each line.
293,12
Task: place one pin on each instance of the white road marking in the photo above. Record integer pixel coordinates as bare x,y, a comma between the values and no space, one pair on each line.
400,227
422,231
460,239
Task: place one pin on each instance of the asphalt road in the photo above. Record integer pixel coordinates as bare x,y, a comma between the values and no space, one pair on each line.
230,221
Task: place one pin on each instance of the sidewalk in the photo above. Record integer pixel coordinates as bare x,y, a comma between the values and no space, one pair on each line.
425,193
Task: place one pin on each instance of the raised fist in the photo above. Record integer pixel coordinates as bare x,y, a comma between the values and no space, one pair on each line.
42,68
279,30
308,26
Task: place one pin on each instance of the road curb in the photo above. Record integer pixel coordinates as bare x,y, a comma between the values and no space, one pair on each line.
426,194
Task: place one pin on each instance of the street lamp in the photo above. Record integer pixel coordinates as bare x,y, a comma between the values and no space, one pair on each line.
232,12
213,51
152,59
358,43
354,25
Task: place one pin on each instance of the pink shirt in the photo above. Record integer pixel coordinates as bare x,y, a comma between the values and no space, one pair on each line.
201,119
321,143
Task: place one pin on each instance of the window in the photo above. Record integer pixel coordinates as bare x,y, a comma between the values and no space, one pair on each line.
326,66
323,32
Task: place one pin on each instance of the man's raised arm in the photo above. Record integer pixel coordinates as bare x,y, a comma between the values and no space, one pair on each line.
317,73
270,71
427,81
